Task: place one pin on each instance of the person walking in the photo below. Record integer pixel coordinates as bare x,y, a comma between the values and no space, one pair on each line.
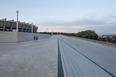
34,38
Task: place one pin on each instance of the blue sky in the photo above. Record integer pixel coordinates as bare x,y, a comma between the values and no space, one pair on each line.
64,15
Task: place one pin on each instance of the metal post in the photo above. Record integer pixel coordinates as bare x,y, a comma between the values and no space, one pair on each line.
52,32
32,27
38,29
17,21
4,22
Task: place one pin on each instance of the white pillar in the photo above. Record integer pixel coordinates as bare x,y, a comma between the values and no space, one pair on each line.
4,24
52,32
38,29
17,21
32,27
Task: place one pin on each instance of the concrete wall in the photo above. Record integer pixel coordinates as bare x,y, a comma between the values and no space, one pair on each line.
6,37
22,36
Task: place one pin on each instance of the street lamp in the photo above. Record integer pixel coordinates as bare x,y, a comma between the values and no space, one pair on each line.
32,27
52,32
17,21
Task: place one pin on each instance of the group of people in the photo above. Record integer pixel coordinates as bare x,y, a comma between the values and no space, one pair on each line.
35,38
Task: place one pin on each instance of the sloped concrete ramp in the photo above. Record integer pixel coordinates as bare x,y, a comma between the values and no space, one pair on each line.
29,59
10,37
57,56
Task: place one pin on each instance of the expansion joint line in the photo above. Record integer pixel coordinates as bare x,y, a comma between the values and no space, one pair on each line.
88,58
60,66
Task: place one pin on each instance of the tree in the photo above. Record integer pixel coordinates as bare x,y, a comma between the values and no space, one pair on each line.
88,34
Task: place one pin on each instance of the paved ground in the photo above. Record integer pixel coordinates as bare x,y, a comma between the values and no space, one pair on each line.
42,59
29,59
103,43
85,59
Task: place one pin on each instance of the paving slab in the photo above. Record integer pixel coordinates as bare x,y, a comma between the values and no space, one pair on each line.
77,65
29,59
101,56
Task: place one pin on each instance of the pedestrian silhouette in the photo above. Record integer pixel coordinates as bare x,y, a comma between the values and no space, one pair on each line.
34,38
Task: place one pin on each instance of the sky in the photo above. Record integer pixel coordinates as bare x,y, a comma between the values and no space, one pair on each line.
70,16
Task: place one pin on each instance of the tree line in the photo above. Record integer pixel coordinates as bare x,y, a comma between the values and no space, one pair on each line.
89,34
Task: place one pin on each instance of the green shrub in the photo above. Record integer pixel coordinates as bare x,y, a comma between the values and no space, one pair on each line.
88,34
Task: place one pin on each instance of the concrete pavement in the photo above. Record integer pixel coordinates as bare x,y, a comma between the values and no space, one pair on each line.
58,56
29,59
85,59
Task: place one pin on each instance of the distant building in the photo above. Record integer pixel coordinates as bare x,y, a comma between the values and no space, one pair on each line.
10,25
105,36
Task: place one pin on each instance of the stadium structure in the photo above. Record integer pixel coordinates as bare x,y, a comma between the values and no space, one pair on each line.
10,25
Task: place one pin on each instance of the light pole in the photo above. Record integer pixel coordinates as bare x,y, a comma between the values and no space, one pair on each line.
52,32
17,21
32,27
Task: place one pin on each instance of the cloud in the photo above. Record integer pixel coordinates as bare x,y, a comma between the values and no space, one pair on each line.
67,30
112,16
103,25
104,29
90,22
82,22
